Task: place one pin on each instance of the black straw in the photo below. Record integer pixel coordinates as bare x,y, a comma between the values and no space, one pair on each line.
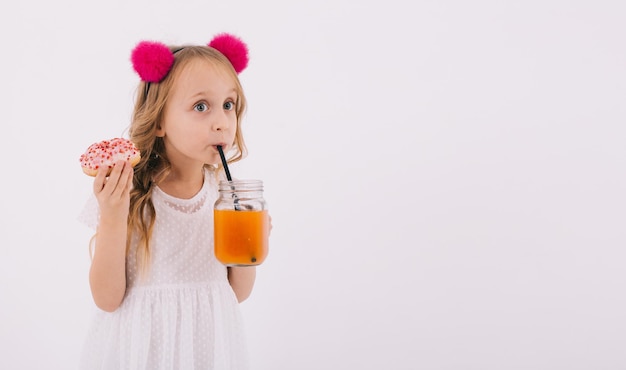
232,187
224,163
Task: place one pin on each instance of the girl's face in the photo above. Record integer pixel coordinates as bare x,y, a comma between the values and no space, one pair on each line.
199,115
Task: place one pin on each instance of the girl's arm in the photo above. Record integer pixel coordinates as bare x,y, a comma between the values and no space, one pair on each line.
241,279
107,275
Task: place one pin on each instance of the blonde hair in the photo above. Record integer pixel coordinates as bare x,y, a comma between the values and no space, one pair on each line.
154,165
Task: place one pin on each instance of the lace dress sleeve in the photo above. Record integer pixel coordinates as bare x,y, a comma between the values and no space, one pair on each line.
90,215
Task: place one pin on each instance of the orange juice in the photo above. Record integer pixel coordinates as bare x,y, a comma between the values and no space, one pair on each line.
241,236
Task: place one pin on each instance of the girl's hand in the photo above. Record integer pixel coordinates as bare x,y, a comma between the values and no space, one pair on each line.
270,219
113,192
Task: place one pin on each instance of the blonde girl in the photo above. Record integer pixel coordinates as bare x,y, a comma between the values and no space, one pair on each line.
165,301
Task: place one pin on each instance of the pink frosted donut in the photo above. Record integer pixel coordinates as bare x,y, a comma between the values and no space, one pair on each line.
105,153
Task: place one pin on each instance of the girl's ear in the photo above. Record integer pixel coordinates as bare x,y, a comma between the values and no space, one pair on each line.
160,132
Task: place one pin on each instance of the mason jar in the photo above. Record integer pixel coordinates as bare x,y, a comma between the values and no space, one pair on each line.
241,223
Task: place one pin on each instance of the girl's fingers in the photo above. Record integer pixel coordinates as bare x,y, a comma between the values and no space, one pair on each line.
129,182
99,181
111,182
108,185
123,183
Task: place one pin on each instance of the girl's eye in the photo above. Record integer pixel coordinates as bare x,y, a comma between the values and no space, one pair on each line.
229,105
201,107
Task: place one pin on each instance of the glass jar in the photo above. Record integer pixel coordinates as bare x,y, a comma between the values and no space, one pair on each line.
241,223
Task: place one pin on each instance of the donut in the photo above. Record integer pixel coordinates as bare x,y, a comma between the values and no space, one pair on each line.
105,153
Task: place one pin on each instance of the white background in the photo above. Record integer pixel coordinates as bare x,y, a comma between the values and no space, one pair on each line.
446,178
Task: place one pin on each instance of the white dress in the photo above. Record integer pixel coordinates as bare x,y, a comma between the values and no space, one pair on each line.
184,314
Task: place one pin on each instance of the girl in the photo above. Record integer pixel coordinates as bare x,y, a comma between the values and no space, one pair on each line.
166,302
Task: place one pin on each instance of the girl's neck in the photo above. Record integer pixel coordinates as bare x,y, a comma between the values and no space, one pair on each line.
183,184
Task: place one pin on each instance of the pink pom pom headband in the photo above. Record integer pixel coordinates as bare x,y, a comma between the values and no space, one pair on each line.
153,60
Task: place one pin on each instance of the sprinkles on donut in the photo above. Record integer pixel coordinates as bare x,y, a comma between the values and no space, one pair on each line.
105,153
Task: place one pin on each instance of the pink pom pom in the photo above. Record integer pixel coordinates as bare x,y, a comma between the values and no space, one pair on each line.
152,60
233,48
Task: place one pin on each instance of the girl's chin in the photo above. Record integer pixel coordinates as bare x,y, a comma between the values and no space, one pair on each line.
213,160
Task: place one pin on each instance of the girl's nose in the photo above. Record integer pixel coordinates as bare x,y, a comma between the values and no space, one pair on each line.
219,122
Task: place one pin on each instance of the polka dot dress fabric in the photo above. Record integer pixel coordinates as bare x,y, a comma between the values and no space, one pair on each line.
183,314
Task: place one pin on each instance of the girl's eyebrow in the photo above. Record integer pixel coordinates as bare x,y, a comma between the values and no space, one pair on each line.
205,92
